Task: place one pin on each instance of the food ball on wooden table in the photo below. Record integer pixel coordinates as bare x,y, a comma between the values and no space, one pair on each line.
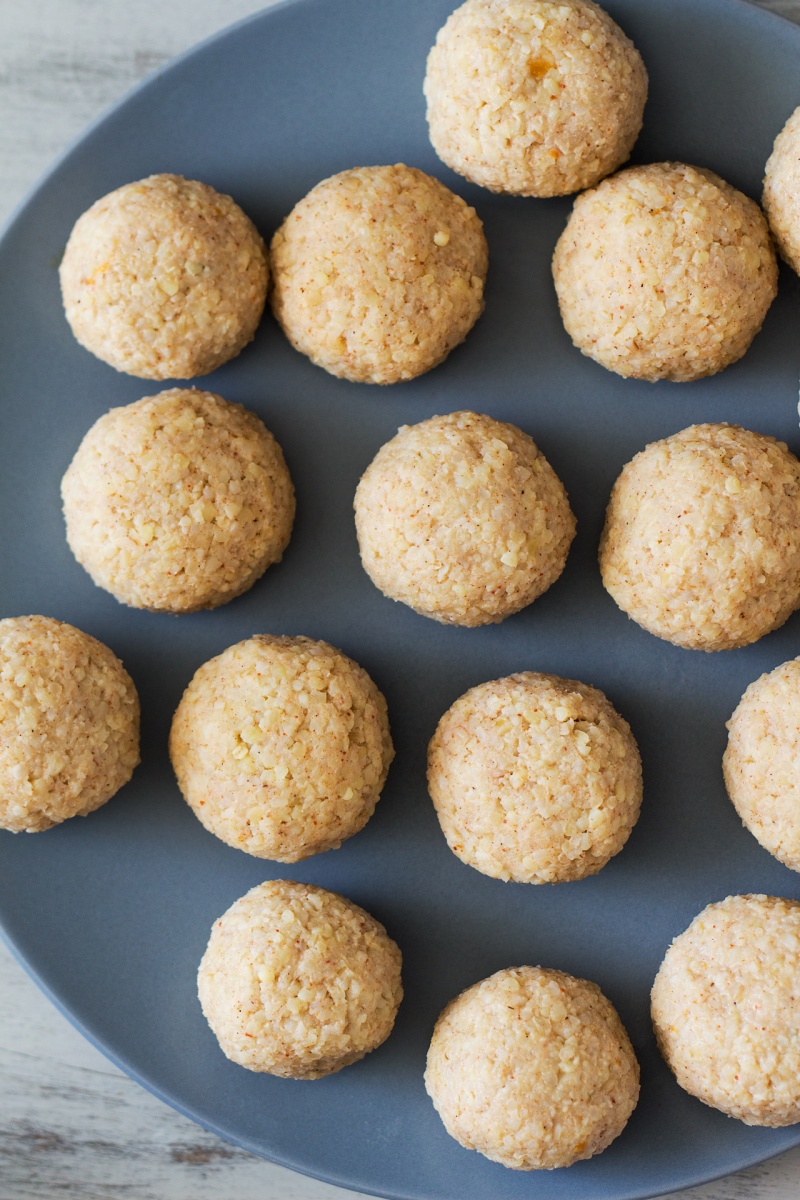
462,518
378,273
701,544
178,502
532,1068
664,272
281,746
535,778
761,763
165,278
299,982
726,1009
782,191
69,723
533,97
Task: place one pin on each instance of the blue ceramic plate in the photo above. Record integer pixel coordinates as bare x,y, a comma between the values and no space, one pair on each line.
111,914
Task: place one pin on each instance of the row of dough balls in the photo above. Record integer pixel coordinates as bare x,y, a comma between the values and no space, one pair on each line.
281,746
532,1067
181,501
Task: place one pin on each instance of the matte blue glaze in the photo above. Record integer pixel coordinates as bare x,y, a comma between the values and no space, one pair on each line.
111,914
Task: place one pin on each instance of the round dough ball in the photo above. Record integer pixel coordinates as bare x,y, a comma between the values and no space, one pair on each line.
761,763
378,273
299,982
281,747
726,1009
701,544
178,502
664,272
533,97
494,529
69,723
535,778
165,278
782,190
532,1068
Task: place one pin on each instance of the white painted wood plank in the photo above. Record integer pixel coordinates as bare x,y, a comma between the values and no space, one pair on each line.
70,1123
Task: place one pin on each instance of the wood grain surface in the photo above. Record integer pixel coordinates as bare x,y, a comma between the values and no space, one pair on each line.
71,1124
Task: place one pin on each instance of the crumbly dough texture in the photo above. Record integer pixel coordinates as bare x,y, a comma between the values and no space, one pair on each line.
726,1009
761,763
462,518
178,502
534,97
299,982
532,1068
378,273
165,278
782,191
69,723
664,272
701,544
281,746
535,778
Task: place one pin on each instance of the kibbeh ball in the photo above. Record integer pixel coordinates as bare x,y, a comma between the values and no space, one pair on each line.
378,273
781,197
164,279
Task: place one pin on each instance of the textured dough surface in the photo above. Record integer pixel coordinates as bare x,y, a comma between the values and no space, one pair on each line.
535,778
726,1008
532,1068
378,273
69,723
178,502
664,272
462,518
534,97
701,544
298,981
165,278
281,746
761,763
782,191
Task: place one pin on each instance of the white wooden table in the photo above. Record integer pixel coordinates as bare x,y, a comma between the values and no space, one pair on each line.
71,1124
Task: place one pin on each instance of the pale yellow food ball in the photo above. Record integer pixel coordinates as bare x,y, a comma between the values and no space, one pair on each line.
535,778
726,1009
534,97
701,544
69,723
299,982
165,278
762,761
782,190
178,502
462,518
664,272
281,746
378,273
532,1068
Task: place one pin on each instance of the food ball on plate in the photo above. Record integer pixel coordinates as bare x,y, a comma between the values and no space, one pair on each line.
281,747
535,778
532,97
532,1068
761,763
178,502
664,272
299,982
782,190
462,518
726,1009
165,278
701,544
378,273
69,723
